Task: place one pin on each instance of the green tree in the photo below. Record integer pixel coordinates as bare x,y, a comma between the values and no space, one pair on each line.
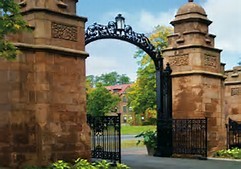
11,22
108,79
142,95
100,101
91,80
123,79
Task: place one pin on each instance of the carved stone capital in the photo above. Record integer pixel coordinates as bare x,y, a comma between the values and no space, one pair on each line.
179,60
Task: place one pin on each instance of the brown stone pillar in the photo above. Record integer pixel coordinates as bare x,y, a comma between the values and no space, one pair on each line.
43,100
198,79
233,93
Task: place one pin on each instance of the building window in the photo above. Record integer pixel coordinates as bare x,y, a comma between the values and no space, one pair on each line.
116,90
124,99
124,109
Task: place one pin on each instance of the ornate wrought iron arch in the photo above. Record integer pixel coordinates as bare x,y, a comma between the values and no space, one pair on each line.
111,31
118,30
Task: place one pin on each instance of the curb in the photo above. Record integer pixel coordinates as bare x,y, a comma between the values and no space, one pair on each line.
224,159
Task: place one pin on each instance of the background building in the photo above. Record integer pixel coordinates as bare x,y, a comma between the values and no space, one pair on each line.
126,114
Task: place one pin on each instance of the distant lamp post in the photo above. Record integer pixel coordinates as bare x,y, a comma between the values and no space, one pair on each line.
142,118
116,110
120,22
125,119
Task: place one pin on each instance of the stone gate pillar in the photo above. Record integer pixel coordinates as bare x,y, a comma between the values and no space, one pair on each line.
198,75
42,101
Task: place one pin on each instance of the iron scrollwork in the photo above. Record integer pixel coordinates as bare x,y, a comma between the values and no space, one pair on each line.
110,31
105,136
118,30
190,136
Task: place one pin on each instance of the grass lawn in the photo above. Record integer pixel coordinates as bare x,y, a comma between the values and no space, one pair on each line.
133,130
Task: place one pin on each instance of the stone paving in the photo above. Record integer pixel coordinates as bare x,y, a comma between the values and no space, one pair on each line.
137,158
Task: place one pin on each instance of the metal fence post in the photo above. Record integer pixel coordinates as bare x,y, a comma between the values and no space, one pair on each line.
119,116
206,137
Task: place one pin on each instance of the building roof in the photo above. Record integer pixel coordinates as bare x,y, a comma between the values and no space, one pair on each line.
120,89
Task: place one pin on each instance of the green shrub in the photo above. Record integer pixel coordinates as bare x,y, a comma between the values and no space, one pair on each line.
82,164
149,138
122,166
102,164
61,165
234,153
150,121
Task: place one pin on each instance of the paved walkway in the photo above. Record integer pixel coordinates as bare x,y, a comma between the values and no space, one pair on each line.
137,158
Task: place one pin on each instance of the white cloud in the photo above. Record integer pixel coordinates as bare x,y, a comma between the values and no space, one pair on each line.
142,21
111,55
226,17
148,20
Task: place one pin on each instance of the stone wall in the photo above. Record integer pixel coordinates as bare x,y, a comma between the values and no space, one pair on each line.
43,109
43,99
9,85
198,75
233,93
198,92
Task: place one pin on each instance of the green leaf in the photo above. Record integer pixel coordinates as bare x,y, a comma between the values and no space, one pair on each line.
11,22
100,101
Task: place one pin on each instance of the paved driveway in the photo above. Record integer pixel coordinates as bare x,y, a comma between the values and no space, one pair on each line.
129,137
137,159
147,162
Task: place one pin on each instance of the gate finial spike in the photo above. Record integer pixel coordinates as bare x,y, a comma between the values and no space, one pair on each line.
168,68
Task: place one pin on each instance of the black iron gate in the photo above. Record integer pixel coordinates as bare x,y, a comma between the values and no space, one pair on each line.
189,136
234,134
185,136
119,30
105,137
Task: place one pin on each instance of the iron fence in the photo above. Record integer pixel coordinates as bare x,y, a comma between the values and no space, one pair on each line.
190,136
234,134
105,137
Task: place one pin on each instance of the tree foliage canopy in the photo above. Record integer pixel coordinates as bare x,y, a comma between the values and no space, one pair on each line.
108,79
11,22
142,95
100,101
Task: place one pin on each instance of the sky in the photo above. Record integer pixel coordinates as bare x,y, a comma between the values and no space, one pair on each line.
143,15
